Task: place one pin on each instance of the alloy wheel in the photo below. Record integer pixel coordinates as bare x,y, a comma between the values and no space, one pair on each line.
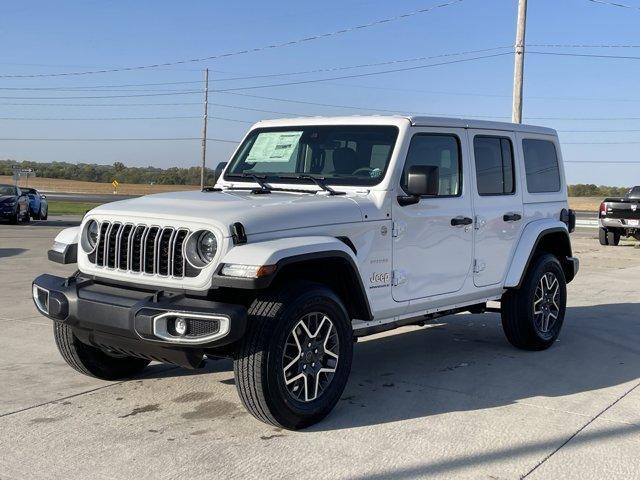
546,302
310,357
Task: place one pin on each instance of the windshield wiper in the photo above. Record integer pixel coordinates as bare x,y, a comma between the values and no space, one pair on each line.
264,188
319,181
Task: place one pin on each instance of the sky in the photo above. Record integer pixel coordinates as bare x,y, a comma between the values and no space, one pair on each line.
592,102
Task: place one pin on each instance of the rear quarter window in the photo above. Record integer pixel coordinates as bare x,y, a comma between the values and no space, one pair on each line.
541,165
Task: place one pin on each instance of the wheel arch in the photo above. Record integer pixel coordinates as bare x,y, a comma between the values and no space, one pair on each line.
326,260
539,238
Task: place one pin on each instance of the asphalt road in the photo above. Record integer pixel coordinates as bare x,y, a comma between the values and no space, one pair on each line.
87,197
449,400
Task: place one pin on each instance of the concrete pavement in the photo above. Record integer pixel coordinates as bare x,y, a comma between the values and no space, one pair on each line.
450,400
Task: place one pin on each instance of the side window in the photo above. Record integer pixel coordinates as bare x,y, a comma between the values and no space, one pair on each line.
438,150
494,165
541,165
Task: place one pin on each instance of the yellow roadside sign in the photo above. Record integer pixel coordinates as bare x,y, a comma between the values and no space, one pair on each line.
115,185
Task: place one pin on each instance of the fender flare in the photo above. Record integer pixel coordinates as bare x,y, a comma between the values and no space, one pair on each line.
532,235
287,252
65,246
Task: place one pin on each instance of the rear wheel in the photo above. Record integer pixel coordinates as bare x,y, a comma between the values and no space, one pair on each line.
295,358
602,236
532,316
613,237
45,215
92,361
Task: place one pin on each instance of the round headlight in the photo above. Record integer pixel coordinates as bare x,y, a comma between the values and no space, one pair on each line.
201,248
90,236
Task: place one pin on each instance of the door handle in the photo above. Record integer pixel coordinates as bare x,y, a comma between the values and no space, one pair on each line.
458,221
511,217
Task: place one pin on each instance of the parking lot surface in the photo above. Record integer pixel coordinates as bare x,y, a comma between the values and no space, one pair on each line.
449,400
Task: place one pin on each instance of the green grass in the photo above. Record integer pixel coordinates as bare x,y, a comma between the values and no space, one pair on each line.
70,208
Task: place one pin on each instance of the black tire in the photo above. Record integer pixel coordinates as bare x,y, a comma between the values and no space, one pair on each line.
15,220
46,214
613,237
92,361
259,360
518,320
602,236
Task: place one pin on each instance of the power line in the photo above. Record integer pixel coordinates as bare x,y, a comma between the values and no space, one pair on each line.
162,139
250,50
608,162
252,87
94,97
99,104
587,55
249,77
366,65
600,143
614,4
579,45
599,131
120,118
359,75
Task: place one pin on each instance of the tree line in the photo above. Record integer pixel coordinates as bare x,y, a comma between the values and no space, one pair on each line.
89,172
591,190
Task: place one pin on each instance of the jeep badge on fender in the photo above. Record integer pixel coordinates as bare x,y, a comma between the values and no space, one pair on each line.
318,231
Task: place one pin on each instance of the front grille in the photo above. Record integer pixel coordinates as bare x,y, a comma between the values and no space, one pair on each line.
142,249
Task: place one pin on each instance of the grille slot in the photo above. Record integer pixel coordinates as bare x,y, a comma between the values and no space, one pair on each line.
200,328
142,249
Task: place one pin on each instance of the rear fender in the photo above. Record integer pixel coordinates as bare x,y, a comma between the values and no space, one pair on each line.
532,238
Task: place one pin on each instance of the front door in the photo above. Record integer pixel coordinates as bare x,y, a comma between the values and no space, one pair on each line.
433,239
497,202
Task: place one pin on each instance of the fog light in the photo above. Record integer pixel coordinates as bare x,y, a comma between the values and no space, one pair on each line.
180,326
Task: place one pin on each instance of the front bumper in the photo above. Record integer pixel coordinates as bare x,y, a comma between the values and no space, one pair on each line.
139,322
7,212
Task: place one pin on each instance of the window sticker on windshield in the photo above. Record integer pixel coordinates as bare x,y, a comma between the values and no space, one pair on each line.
273,147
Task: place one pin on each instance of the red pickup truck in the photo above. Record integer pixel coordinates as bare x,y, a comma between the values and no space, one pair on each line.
620,217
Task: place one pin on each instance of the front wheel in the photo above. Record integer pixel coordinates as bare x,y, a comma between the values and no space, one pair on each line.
294,360
532,316
92,361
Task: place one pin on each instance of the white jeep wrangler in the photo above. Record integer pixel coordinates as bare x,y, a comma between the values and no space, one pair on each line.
319,230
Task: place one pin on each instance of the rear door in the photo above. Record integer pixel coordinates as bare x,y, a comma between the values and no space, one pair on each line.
497,203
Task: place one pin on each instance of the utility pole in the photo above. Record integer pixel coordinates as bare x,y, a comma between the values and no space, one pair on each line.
204,127
518,73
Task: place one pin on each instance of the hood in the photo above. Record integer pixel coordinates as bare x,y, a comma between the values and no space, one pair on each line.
7,198
258,213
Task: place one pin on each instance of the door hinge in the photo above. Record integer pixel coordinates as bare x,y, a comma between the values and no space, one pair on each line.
398,277
398,229
478,266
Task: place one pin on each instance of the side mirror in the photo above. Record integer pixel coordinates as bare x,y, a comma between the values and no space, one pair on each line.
42,195
422,180
217,173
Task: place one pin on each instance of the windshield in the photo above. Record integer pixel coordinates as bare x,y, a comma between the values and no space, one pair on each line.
341,155
7,190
